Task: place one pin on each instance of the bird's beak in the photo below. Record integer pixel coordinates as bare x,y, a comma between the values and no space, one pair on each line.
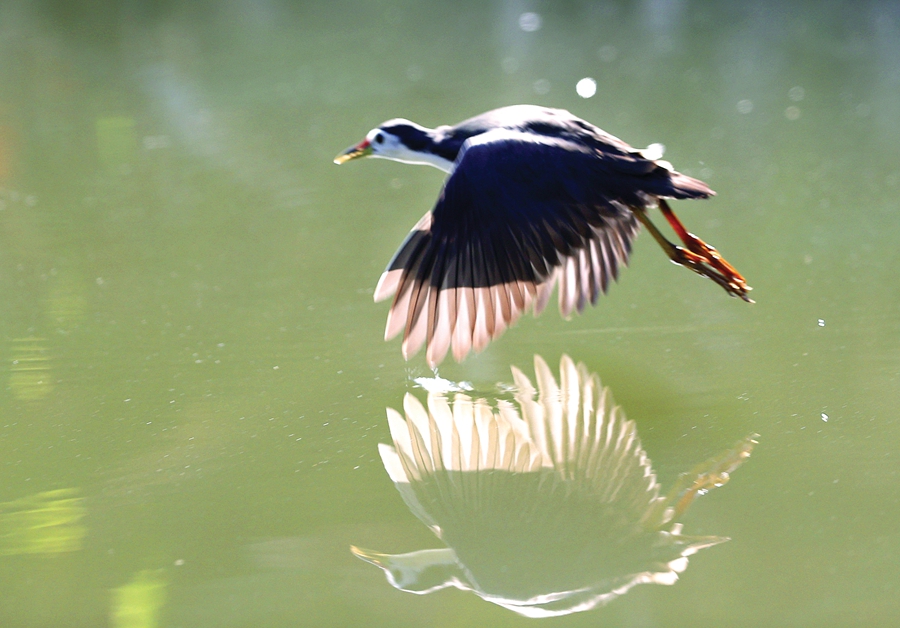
363,149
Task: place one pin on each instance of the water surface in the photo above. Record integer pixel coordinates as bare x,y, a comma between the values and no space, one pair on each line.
194,374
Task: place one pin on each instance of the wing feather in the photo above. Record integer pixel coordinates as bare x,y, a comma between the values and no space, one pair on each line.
519,212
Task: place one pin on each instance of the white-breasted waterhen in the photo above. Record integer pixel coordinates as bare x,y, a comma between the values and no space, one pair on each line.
534,195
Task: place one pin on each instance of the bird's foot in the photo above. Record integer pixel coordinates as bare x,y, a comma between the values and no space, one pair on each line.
705,260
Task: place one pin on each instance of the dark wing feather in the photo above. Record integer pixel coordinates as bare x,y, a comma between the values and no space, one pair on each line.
518,212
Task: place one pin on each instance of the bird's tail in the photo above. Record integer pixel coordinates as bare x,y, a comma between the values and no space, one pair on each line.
683,186
666,183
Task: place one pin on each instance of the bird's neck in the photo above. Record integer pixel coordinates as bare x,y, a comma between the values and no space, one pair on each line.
432,147
427,158
444,146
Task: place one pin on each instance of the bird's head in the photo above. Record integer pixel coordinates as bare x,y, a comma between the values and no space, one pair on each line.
399,140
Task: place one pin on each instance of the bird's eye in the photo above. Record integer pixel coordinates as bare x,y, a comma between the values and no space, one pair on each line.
379,139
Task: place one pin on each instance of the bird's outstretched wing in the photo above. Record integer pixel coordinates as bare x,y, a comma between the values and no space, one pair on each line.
518,211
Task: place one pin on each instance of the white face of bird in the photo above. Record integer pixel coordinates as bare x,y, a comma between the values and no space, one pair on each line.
387,145
387,142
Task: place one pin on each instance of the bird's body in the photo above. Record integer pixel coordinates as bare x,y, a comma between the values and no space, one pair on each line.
534,195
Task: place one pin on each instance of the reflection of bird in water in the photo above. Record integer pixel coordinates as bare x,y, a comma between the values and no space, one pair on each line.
533,195
547,508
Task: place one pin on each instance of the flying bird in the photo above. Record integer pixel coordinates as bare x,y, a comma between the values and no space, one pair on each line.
534,195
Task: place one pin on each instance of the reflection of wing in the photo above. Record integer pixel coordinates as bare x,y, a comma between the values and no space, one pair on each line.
585,437
548,506
444,442
572,428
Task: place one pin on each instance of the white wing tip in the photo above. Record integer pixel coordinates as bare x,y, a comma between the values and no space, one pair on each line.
387,284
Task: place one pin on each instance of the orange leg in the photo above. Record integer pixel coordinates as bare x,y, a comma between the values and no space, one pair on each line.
698,256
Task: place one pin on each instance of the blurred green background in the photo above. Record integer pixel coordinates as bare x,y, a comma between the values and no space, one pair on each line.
193,372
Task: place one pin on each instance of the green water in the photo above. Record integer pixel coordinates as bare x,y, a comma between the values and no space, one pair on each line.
193,374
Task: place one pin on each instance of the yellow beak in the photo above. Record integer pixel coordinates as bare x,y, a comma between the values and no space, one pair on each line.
363,149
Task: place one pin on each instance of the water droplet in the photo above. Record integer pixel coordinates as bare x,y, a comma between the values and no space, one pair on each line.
586,87
745,106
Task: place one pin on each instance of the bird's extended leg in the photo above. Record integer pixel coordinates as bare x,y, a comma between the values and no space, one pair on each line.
701,248
698,256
